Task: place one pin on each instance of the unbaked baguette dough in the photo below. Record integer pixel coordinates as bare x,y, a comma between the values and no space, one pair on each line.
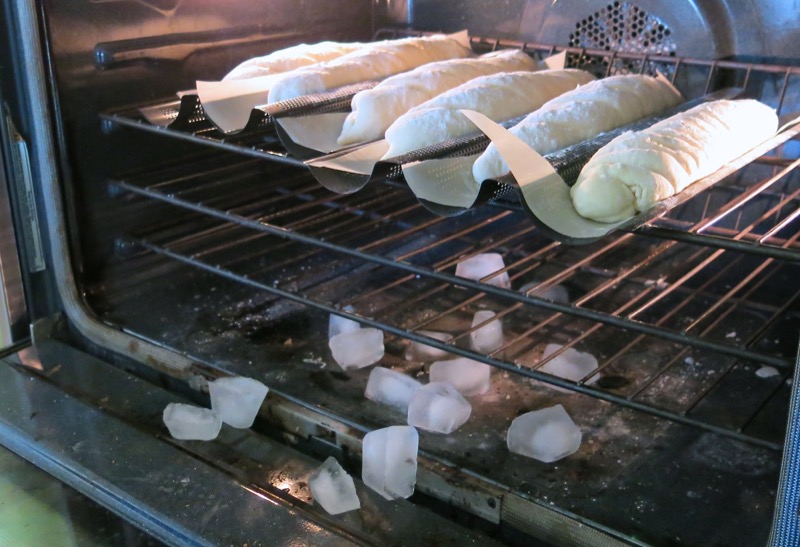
374,61
637,169
499,97
374,110
582,114
291,58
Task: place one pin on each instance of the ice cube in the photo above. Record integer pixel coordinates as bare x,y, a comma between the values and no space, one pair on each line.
479,266
490,336
546,435
333,488
237,400
389,461
338,324
357,349
570,364
391,388
417,351
556,293
767,372
468,376
191,423
438,407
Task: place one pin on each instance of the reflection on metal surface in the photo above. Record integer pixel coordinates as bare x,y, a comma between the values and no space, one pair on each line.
29,357
164,7
258,494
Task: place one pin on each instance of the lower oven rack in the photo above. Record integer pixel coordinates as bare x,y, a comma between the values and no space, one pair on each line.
247,259
692,310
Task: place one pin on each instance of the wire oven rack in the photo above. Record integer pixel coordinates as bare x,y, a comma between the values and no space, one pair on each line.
774,84
743,233
677,305
682,314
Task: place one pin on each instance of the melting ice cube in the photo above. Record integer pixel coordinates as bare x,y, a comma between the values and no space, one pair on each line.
556,293
438,407
191,423
389,461
479,266
333,488
468,376
571,364
237,400
338,324
417,351
546,435
391,388
490,336
357,349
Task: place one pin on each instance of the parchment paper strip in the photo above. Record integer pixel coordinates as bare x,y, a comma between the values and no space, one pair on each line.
546,195
228,103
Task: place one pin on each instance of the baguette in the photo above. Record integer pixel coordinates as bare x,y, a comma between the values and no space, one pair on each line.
374,61
374,110
285,60
582,114
637,169
499,96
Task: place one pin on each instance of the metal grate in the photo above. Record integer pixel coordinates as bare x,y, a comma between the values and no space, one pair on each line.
622,26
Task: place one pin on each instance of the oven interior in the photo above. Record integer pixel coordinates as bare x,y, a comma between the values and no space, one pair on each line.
226,250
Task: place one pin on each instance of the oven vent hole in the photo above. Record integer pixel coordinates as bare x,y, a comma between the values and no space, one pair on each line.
625,27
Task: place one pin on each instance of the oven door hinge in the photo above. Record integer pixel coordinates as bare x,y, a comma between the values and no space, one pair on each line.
22,180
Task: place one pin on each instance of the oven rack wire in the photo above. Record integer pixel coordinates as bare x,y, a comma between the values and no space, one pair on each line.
775,84
387,232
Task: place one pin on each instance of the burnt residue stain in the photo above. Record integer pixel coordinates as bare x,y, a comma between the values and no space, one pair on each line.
582,471
261,319
321,379
325,379
732,456
612,382
341,376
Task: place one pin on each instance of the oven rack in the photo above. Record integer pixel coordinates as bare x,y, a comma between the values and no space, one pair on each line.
385,231
776,85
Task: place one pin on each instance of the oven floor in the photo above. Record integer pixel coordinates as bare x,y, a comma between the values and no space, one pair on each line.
654,481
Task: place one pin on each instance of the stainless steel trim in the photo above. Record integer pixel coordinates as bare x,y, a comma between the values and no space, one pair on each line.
23,180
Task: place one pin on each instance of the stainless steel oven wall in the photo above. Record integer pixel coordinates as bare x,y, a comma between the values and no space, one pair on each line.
108,53
68,61
704,29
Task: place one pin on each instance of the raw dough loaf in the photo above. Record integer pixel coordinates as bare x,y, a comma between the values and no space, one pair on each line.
499,97
637,169
374,110
374,61
582,114
291,58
